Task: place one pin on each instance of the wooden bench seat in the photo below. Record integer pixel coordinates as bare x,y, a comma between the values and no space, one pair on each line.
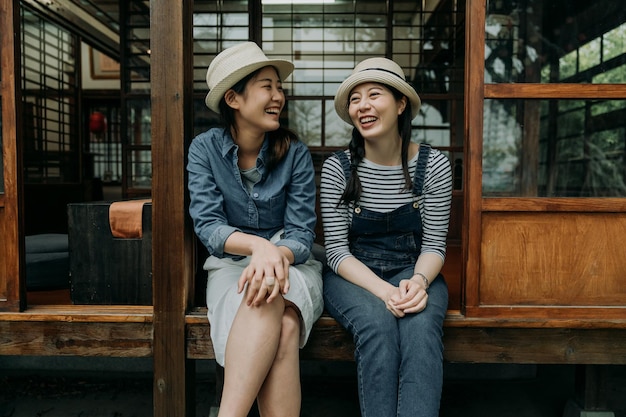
465,340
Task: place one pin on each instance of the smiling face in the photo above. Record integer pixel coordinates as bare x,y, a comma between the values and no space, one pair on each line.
260,104
374,110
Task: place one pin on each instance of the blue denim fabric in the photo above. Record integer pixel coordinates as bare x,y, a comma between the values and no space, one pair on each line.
220,203
388,241
399,360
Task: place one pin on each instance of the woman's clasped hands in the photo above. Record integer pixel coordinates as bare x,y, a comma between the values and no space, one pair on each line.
266,276
408,297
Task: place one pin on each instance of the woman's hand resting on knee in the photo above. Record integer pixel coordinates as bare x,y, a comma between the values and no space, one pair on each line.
267,275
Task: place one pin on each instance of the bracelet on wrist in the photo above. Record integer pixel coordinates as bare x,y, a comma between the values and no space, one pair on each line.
426,283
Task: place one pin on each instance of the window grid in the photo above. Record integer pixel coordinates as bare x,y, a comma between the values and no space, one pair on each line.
105,146
51,152
325,41
136,138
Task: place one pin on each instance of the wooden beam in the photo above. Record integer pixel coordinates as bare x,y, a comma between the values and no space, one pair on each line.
535,346
67,15
12,277
172,254
467,340
554,91
77,330
50,338
473,138
469,345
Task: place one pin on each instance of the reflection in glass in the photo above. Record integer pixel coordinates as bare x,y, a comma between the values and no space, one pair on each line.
554,148
553,41
433,124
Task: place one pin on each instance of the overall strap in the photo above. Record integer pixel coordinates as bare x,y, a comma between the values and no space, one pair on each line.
345,163
420,169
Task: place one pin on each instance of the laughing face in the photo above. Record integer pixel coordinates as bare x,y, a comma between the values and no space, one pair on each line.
261,102
374,110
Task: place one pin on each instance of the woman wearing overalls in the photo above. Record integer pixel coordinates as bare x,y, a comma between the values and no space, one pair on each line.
385,205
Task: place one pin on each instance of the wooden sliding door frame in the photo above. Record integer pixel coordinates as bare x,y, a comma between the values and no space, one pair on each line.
476,92
12,281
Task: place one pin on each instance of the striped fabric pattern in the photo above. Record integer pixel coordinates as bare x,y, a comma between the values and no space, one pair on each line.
383,191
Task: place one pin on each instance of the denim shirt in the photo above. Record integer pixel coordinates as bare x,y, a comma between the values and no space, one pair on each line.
221,204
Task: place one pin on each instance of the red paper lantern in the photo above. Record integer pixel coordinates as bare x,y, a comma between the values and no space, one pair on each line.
97,122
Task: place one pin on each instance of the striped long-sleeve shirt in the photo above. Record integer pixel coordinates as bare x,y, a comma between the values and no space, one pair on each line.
383,191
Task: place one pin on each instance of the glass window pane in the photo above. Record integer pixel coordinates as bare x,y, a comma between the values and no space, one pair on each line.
204,119
338,132
325,41
136,51
216,26
232,5
140,176
434,127
305,118
139,122
50,117
552,42
554,148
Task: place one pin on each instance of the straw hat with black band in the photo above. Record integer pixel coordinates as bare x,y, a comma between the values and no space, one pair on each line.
375,70
233,64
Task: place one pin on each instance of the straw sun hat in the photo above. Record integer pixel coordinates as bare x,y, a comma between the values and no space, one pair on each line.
233,64
377,70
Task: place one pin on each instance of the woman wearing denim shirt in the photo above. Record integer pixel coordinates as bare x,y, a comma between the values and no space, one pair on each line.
252,188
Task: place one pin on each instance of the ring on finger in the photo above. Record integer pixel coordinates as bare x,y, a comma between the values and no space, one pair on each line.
269,281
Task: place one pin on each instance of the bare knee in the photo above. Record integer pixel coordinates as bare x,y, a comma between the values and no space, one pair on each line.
289,334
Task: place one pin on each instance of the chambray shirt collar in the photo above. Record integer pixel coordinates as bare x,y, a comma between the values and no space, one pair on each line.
230,147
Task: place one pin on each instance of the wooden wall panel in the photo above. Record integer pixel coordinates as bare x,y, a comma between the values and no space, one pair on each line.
553,259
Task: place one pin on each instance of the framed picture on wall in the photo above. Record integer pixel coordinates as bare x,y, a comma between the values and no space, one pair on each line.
102,66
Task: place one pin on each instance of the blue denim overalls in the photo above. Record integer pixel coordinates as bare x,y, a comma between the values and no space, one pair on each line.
399,360
388,242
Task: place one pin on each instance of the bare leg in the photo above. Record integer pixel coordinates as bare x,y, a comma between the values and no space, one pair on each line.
280,395
250,352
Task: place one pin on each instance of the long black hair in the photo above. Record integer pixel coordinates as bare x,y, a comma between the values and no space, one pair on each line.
279,139
352,193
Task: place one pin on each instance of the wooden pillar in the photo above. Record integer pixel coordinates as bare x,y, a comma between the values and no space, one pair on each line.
171,84
473,127
12,276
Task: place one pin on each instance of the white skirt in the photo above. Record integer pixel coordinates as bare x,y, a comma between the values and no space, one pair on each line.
223,301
